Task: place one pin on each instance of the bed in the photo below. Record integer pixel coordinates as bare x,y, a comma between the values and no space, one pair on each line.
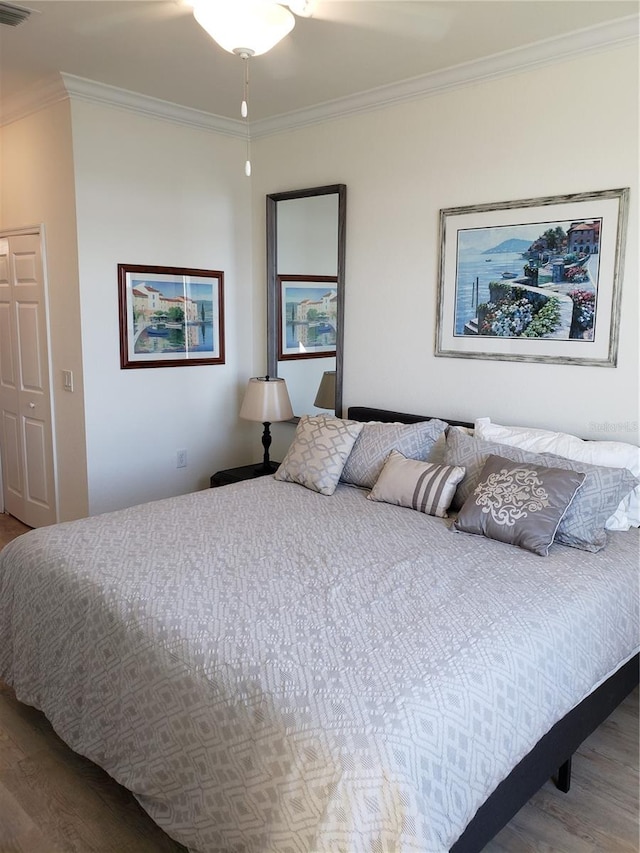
270,669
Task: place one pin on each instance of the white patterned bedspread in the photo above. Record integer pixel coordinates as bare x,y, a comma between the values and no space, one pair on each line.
270,670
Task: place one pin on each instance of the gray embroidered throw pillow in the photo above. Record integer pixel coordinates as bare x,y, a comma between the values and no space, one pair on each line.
519,503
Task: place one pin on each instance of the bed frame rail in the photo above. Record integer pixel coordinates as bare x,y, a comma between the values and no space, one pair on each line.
365,413
549,756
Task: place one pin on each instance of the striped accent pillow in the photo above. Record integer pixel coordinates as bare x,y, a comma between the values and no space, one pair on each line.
423,486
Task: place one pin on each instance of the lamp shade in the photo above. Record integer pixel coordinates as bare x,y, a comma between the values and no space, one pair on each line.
251,26
266,400
326,396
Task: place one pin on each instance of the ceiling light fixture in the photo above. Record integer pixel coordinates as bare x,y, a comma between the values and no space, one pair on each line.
246,28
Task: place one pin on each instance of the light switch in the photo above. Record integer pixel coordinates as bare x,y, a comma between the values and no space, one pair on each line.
67,380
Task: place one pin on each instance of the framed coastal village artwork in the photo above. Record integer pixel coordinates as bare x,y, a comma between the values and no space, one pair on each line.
533,280
307,316
170,316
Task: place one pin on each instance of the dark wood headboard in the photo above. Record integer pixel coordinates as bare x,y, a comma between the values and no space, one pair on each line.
365,413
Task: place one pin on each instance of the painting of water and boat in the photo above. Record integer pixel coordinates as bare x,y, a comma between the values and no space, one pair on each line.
534,280
170,316
308,316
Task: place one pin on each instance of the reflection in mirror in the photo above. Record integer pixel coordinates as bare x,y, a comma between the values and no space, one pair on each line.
305,287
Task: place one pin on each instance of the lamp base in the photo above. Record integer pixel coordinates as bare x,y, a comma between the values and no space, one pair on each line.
263,469
266,467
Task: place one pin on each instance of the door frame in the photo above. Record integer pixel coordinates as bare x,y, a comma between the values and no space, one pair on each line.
40,231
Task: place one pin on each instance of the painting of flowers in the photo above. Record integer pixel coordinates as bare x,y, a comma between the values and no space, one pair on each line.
518,281
532,280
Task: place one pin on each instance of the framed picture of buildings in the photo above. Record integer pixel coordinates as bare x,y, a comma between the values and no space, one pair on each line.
533,280
307,316
170,316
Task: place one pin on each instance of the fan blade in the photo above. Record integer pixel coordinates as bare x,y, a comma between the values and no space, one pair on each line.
424,19
106,19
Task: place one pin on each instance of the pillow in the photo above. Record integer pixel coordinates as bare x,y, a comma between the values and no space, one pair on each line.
418,485
583,524
318,452
377,440
437,454
520,504
614,454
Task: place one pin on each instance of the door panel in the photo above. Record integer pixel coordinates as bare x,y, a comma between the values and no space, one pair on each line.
29,347
25,265
4,264
11,465
7,372
36,455
26,439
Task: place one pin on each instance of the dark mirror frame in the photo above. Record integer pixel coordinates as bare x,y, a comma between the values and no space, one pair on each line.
272,272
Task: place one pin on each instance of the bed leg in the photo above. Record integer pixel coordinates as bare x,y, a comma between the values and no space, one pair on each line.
563,782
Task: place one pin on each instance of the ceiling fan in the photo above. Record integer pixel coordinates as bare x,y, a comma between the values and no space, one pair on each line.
424,17
269,21
250,28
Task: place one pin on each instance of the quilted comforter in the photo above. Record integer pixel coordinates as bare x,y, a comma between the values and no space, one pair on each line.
270,670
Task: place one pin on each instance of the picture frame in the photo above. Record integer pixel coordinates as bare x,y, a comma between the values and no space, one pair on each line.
170,316
535,280
307,316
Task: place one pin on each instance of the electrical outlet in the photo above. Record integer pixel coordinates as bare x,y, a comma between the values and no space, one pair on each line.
181,458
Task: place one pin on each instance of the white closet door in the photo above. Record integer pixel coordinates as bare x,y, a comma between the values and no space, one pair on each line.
25,398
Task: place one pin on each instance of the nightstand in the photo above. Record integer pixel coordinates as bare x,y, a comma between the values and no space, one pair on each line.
236,475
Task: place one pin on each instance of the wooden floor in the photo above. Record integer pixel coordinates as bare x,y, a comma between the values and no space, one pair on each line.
10,527
54,801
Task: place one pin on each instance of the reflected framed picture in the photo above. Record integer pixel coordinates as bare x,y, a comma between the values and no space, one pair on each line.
307,316
170,316
533,280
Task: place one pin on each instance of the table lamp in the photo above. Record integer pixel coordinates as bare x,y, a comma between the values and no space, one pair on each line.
326,396
266,400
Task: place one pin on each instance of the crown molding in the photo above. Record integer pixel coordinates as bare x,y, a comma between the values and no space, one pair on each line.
65,86
558,48
44,93
550,51
101,93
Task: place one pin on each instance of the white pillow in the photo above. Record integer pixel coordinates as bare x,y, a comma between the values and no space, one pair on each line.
611,454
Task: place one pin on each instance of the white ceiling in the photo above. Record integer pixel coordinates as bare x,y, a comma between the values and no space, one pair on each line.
155,47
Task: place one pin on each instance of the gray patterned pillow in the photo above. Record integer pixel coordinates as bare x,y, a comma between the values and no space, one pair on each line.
423,486
377,440
583,524
520,504
318,452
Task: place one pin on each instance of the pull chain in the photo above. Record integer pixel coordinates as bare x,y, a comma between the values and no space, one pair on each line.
244,108
244,112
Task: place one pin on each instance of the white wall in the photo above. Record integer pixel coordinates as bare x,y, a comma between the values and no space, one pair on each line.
37,186
524,136
158,193
153,192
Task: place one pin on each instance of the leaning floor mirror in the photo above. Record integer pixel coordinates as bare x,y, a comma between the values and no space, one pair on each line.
305,294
